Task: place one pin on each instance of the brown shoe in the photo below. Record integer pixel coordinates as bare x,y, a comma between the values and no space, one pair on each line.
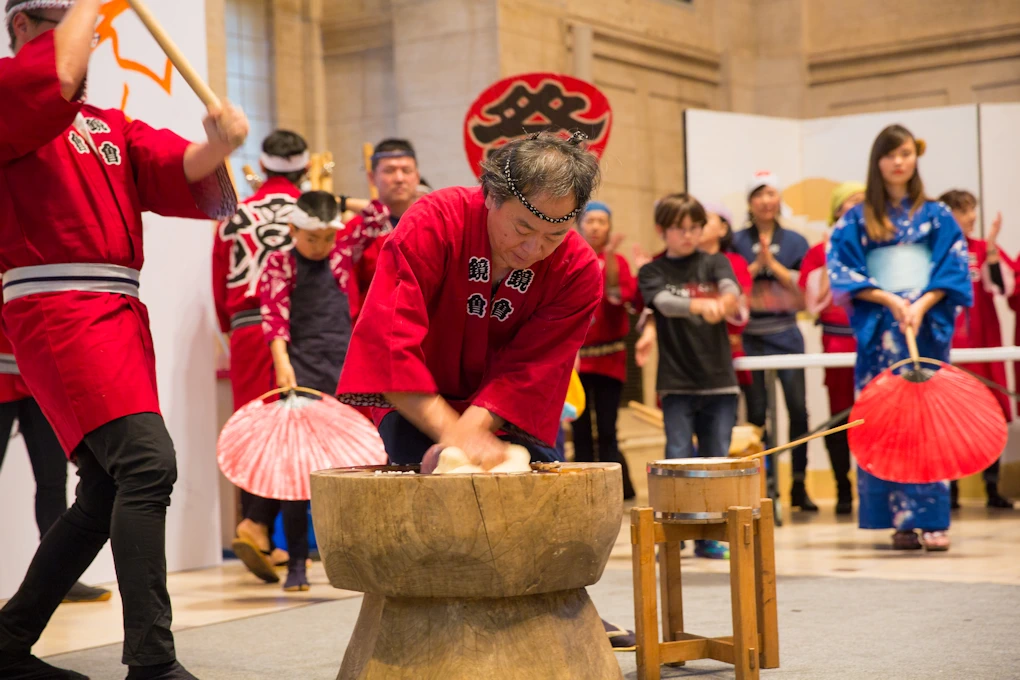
906,540
80,592
257,561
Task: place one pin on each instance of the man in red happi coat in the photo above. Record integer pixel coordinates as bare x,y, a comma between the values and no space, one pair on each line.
74,182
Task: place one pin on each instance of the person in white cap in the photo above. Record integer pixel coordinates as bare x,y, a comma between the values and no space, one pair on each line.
774,256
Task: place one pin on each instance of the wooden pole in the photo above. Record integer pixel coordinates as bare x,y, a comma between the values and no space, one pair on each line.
175,55
366,151
804,440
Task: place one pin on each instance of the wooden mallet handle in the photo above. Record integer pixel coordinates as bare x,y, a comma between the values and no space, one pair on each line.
912,347
175,55
367,151
804,440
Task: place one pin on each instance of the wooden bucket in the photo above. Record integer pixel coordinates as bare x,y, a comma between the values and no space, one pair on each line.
702,490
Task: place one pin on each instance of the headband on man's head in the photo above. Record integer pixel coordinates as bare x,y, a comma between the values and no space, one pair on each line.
396,153
575,139
15,6
302,220
295,163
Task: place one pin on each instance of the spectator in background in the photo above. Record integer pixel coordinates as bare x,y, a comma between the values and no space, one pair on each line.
603,368
394,173
773,255
837,336
691,293
991,274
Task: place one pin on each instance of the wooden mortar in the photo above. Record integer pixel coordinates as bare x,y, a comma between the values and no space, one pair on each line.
472,576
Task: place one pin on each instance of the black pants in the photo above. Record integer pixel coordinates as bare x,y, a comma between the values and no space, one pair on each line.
406,444
295,528
260,510
795,392
602,396
49,464
838,446
126,470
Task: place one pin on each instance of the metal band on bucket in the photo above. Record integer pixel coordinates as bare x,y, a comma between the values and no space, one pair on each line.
697,516
716,474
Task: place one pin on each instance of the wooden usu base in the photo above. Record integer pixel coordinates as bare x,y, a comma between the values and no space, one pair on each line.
472,576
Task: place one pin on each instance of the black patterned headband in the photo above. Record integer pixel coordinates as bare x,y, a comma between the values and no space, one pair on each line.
527,204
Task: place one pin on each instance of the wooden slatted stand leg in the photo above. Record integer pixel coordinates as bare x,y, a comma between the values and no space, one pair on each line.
672,593
646,617
765,577
740,527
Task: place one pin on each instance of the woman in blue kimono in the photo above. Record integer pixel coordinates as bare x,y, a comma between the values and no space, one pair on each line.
900,260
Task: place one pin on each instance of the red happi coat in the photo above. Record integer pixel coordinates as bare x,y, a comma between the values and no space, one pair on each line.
978,326
378,215
610,326
86,357
839,381
433,323
242,245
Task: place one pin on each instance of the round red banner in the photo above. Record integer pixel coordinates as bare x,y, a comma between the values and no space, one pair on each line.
533,102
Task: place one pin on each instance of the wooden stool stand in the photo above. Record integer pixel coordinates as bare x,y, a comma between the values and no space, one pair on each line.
755,640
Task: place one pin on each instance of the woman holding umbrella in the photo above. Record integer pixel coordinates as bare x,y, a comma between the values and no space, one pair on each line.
919,284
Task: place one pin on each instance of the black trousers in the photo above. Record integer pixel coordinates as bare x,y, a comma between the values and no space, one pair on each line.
407,445
602,396
49,464
795,392
295,528
259,509
838,446
126,470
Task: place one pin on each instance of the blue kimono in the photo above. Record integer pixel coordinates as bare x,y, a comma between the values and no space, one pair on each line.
927,253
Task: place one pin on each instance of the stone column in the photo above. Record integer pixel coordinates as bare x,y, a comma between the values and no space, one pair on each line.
584,43
288,47
216,40
315,70
445,53
780,76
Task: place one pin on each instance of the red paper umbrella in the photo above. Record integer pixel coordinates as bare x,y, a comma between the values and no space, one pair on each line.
925,425
270,449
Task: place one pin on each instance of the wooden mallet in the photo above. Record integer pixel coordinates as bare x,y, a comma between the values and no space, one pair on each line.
367,151
180,62
175,55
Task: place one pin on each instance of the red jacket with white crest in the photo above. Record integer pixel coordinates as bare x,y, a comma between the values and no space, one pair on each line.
74,182
436,322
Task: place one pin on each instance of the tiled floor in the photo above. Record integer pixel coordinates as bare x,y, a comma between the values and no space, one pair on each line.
986,548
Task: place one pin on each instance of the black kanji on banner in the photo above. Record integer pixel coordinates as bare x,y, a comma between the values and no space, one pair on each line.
535,102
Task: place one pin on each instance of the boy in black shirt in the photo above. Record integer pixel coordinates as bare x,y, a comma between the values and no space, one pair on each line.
692,294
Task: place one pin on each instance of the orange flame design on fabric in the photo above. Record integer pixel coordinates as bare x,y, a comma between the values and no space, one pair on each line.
106,31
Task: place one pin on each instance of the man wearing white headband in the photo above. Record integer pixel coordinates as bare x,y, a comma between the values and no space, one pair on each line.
75,181
306,321
242,245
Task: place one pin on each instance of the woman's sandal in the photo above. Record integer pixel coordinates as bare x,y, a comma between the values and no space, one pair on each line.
935,541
